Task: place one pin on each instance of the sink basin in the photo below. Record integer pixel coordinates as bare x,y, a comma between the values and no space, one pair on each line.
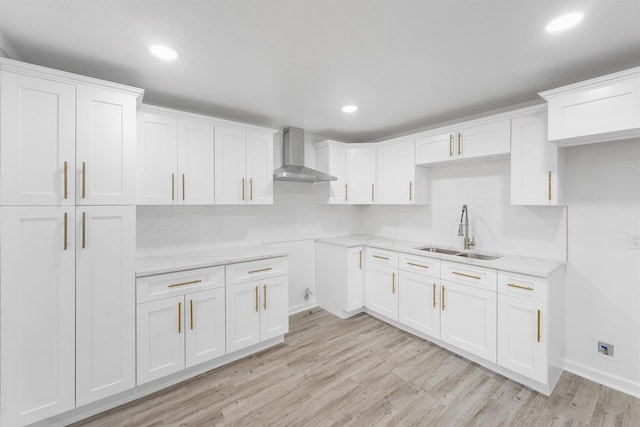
438,250
479,256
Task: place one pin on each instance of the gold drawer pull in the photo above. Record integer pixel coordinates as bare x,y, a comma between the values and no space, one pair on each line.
393,283
191,314
549,185
179,317
257,304
182,187
381,257
538,325
173,285
84,227
466,275
66,194
443,306
410,191
417,265
513,285
360,259
173,186
261,270
450,145
84,174
434,295
346,192
66,245
264,303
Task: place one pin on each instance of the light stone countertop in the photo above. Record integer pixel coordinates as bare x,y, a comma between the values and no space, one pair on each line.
150,265
532,266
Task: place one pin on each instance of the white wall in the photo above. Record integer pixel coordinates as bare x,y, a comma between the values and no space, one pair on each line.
497,226
603,275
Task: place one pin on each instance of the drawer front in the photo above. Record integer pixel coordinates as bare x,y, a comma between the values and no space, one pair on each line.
480,277
256,270
522,286
382,257
162,286
420,265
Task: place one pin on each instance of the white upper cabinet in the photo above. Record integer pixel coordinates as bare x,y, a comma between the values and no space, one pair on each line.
479,138
398,180
37,130
331,158
602,109
244,166
105,147
157,159
361,165
537,165
195,162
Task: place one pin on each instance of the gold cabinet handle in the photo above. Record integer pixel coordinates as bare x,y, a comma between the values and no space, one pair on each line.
410,191
459,143
466,275
182,187
173,285
513,285
450,145
242,188
372,191
393,283
179,317
549,185
250,188
417,265
346,192
65,232
66,194
84,174
434,295
191,314
260,270
443,306
360,259
173,186
264,291
256,299
84,226
538,325
381,257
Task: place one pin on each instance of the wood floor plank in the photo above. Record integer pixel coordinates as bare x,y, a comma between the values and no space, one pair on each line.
363,372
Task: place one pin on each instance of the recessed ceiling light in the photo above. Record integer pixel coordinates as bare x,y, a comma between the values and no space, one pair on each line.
564,22
349,109
163,52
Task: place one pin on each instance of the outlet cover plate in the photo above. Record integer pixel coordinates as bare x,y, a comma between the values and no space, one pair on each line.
633,241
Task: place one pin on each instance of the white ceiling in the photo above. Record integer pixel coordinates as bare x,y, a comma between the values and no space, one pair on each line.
405,63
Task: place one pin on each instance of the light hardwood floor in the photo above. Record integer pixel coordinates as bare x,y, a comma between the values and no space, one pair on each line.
363,372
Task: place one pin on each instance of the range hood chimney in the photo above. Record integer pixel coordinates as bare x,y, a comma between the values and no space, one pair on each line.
293,168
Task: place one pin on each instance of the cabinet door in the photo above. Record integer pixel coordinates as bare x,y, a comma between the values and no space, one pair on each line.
195,162
37,130
522,343
105,147
355,277
243,316
435,148
382,290
362,175
160,338
534,162
395,173
205,326
274,313
105,296
484,140
419,303
157,147
37,313
230,170
468,319
259,168
339,189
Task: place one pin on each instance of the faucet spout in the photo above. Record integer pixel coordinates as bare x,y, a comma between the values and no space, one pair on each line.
463,228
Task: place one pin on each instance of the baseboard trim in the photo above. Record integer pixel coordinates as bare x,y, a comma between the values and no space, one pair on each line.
613,381
302,307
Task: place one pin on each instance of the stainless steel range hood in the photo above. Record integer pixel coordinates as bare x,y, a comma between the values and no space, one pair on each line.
293,168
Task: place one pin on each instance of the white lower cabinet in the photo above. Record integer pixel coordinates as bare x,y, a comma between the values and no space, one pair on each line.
381,289
339,286
257,309
419,292
181,327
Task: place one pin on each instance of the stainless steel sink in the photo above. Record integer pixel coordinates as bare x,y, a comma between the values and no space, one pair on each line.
478,256
438,250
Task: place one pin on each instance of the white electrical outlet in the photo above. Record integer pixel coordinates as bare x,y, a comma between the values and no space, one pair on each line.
219,229
633,241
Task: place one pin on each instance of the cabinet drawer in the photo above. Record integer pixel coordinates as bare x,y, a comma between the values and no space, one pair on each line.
420,265
382,257
519,285
256,270
162,286
480,277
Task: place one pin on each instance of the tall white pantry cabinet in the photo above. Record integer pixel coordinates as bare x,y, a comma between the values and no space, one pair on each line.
67,245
